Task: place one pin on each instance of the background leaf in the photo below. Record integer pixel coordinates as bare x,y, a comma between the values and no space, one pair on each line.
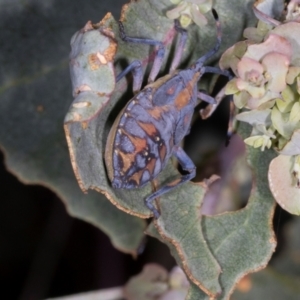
241,241
35,96
187,235
283,183
179,226
249,228
280,280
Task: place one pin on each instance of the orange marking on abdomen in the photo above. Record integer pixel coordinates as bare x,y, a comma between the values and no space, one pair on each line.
137,177
182,99
128,160
139,143
148,128
157,111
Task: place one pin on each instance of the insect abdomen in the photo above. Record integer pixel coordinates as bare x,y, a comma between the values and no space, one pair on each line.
139,145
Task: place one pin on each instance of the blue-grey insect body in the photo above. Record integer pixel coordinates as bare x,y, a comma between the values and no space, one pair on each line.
149,129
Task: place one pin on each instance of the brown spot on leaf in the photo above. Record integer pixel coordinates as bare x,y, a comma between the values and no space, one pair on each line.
108,32
244,285
40,108
101,58
110,52
81,104
123,12
84,125
76,116
87,27
94,61
103,21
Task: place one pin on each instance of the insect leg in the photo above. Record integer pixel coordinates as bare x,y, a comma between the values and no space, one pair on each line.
206,98
158,60
232,122
158,56
216,71
137,72
187,165
179,50
211,108
216,48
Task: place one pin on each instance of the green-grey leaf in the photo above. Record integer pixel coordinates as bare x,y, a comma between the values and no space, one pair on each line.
281,280
150,284
270,284
255,117
242,241
35,96
249,228
194,292
283,183
292,147
180,226
141,19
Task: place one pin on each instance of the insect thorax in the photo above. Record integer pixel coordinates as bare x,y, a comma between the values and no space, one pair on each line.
143,136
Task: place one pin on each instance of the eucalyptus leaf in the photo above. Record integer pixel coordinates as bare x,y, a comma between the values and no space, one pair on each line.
255,117
283,124
291,31
269,284
281,279
283,184
35,96
292,147
249,228
271,8
180,225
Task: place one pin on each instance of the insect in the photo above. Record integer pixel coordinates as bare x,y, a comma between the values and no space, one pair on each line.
149,129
